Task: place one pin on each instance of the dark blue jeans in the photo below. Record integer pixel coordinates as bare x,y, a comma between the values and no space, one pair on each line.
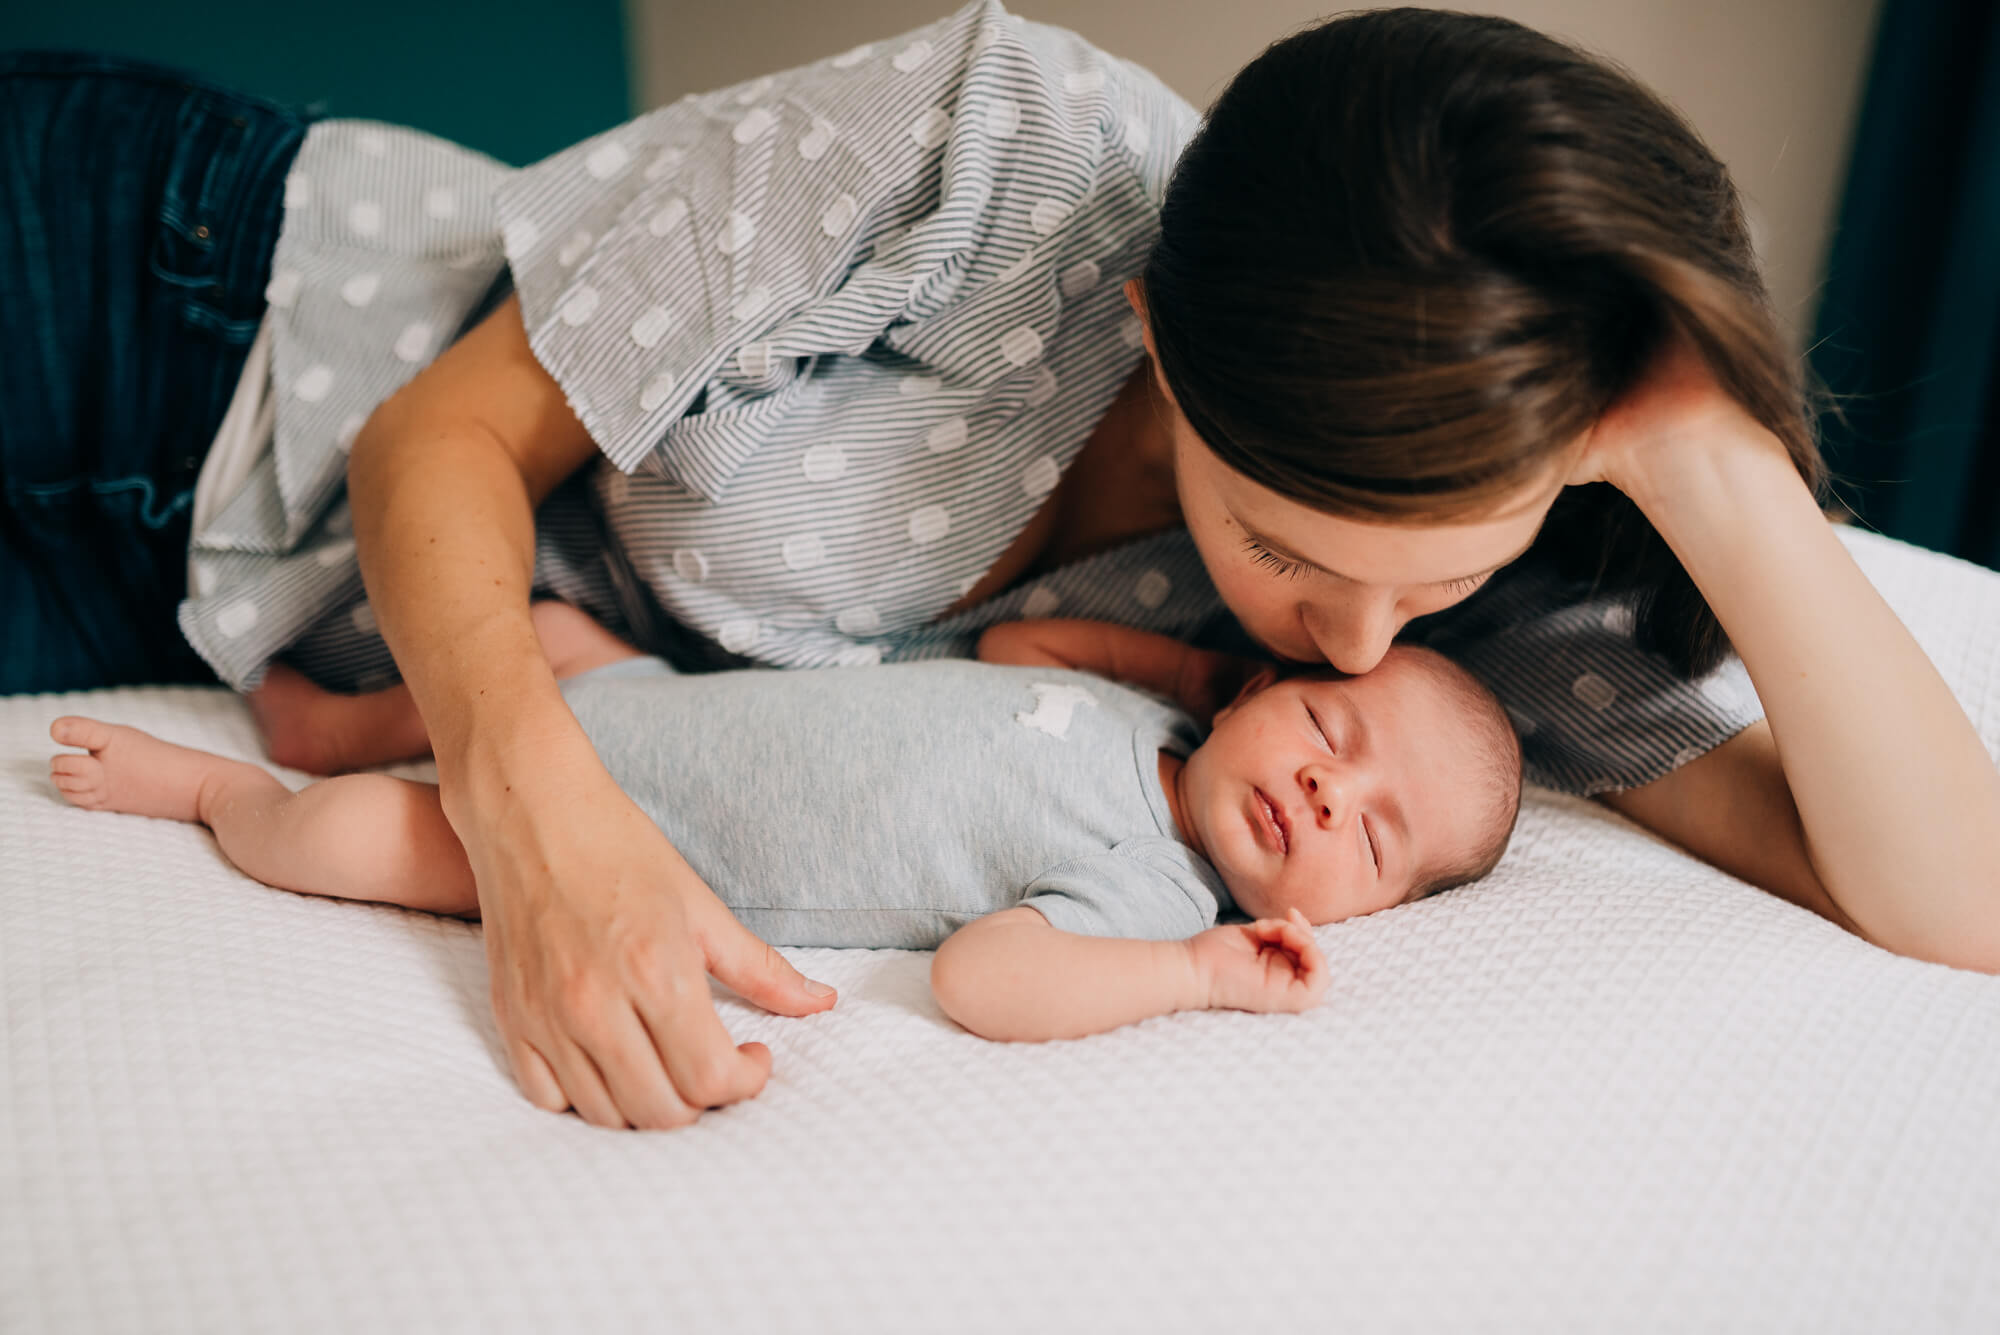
139,207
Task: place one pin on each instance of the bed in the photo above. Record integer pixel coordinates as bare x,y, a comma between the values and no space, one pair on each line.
1605,1089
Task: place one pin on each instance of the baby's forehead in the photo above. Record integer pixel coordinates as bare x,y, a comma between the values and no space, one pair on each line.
1404,669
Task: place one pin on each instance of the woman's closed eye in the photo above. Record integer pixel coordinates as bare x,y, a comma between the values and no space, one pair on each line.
1286,568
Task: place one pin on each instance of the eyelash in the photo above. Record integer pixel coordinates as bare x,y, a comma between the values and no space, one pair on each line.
1367,835
1285,569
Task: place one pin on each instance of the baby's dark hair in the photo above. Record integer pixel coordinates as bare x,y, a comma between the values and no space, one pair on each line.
1490,746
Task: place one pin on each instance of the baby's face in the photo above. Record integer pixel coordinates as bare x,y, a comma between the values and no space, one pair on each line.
1337,797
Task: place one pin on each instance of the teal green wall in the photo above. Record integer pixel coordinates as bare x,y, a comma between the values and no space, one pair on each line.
518,79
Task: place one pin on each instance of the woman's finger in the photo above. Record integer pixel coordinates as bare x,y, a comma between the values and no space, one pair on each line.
533,1075
708,1070
583,1085
635,1071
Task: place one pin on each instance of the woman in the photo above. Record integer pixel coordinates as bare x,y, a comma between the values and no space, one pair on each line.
1428,296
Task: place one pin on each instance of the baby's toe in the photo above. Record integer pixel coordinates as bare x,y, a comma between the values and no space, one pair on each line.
80,779
75,730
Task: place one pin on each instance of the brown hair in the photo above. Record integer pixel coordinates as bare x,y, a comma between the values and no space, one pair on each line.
1412,255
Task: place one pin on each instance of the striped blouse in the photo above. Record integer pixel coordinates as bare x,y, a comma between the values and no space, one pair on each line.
836,332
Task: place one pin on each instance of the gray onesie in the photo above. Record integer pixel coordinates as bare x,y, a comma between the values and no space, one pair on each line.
887,806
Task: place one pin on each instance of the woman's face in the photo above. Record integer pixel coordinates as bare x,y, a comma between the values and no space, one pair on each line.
1316,588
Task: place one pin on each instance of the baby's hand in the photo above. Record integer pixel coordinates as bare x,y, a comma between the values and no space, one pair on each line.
1273,964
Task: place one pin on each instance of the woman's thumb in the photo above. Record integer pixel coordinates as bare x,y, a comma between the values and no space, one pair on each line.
759,974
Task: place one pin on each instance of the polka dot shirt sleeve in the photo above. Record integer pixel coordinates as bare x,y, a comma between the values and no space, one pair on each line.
1594,711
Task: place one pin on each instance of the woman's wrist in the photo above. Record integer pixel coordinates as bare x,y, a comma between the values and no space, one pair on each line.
1711,495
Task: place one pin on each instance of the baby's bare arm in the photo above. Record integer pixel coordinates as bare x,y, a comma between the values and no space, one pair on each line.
1013,976
1201,681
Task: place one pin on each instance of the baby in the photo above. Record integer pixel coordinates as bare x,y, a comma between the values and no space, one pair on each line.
1065,842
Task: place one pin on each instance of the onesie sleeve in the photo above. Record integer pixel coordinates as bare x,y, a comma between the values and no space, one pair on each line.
1149,889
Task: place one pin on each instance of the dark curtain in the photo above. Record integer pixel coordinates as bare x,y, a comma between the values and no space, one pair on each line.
1908,331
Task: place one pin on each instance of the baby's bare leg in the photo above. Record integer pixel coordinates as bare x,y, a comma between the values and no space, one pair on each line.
324,732
363,836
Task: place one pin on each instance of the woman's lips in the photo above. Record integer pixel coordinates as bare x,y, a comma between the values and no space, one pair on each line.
1270,822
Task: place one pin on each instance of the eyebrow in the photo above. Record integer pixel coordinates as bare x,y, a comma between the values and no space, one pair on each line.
1280,549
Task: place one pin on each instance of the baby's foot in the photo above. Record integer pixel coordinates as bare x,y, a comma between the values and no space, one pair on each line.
288,710
129,770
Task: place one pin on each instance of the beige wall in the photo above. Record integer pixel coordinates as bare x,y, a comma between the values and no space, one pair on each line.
1772,84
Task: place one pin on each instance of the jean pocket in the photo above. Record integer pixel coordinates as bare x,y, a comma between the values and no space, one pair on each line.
204,168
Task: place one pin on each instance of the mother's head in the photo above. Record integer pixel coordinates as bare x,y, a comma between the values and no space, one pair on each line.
1408,260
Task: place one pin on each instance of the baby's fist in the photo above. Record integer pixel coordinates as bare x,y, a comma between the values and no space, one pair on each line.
1273,964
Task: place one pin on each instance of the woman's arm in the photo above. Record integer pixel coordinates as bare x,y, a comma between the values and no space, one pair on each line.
1201,681
1014,977
1869,777
598,935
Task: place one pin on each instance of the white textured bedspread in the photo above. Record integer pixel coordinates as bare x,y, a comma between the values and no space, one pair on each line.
1606,1089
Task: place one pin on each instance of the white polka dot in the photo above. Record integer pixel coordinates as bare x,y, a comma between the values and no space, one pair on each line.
350,427
334,553
804,551
751,92
736,233
1048,215
859,655
889,240
298,190
1618,620
657,391
362,618
652,326
236,619
946,436
1003,117
1687,755
414,343
365,217
690,564
1021,346
283,289
471,259
1086,80
360,289
928,524
823,463
967,585
314,382
1136,136
1041,387
519,237
919,386
847,60
340,521
1041,601
753,126
580,305
1594,691
915,288
201,578
1079,278
839,215
666,160
861,619
1523,725
1152,589
1025,264
912,56
440,202
752,303
739,637
372,142
931,129
1040,477
617,487
1130,333
754,360
814,143
671,215
607,160
573,249
1722,693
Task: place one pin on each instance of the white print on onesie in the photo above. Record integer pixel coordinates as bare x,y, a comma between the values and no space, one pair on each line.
1055,705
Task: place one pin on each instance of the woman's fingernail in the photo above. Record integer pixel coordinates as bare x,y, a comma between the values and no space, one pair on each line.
817,988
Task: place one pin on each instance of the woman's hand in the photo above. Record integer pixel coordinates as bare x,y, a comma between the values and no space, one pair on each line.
1272,964
600,939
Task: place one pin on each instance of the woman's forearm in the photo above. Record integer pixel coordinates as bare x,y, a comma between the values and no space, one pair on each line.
1013,977
1899,802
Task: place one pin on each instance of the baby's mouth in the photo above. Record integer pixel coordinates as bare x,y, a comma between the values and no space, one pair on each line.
1275,820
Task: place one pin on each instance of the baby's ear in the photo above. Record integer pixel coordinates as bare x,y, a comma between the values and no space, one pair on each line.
1262,679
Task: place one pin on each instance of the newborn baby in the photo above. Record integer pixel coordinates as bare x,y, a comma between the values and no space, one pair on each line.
1067,843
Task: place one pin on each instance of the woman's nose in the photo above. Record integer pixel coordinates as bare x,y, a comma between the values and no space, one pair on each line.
1354,634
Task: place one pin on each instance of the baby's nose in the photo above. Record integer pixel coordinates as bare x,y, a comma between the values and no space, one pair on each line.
1325,794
